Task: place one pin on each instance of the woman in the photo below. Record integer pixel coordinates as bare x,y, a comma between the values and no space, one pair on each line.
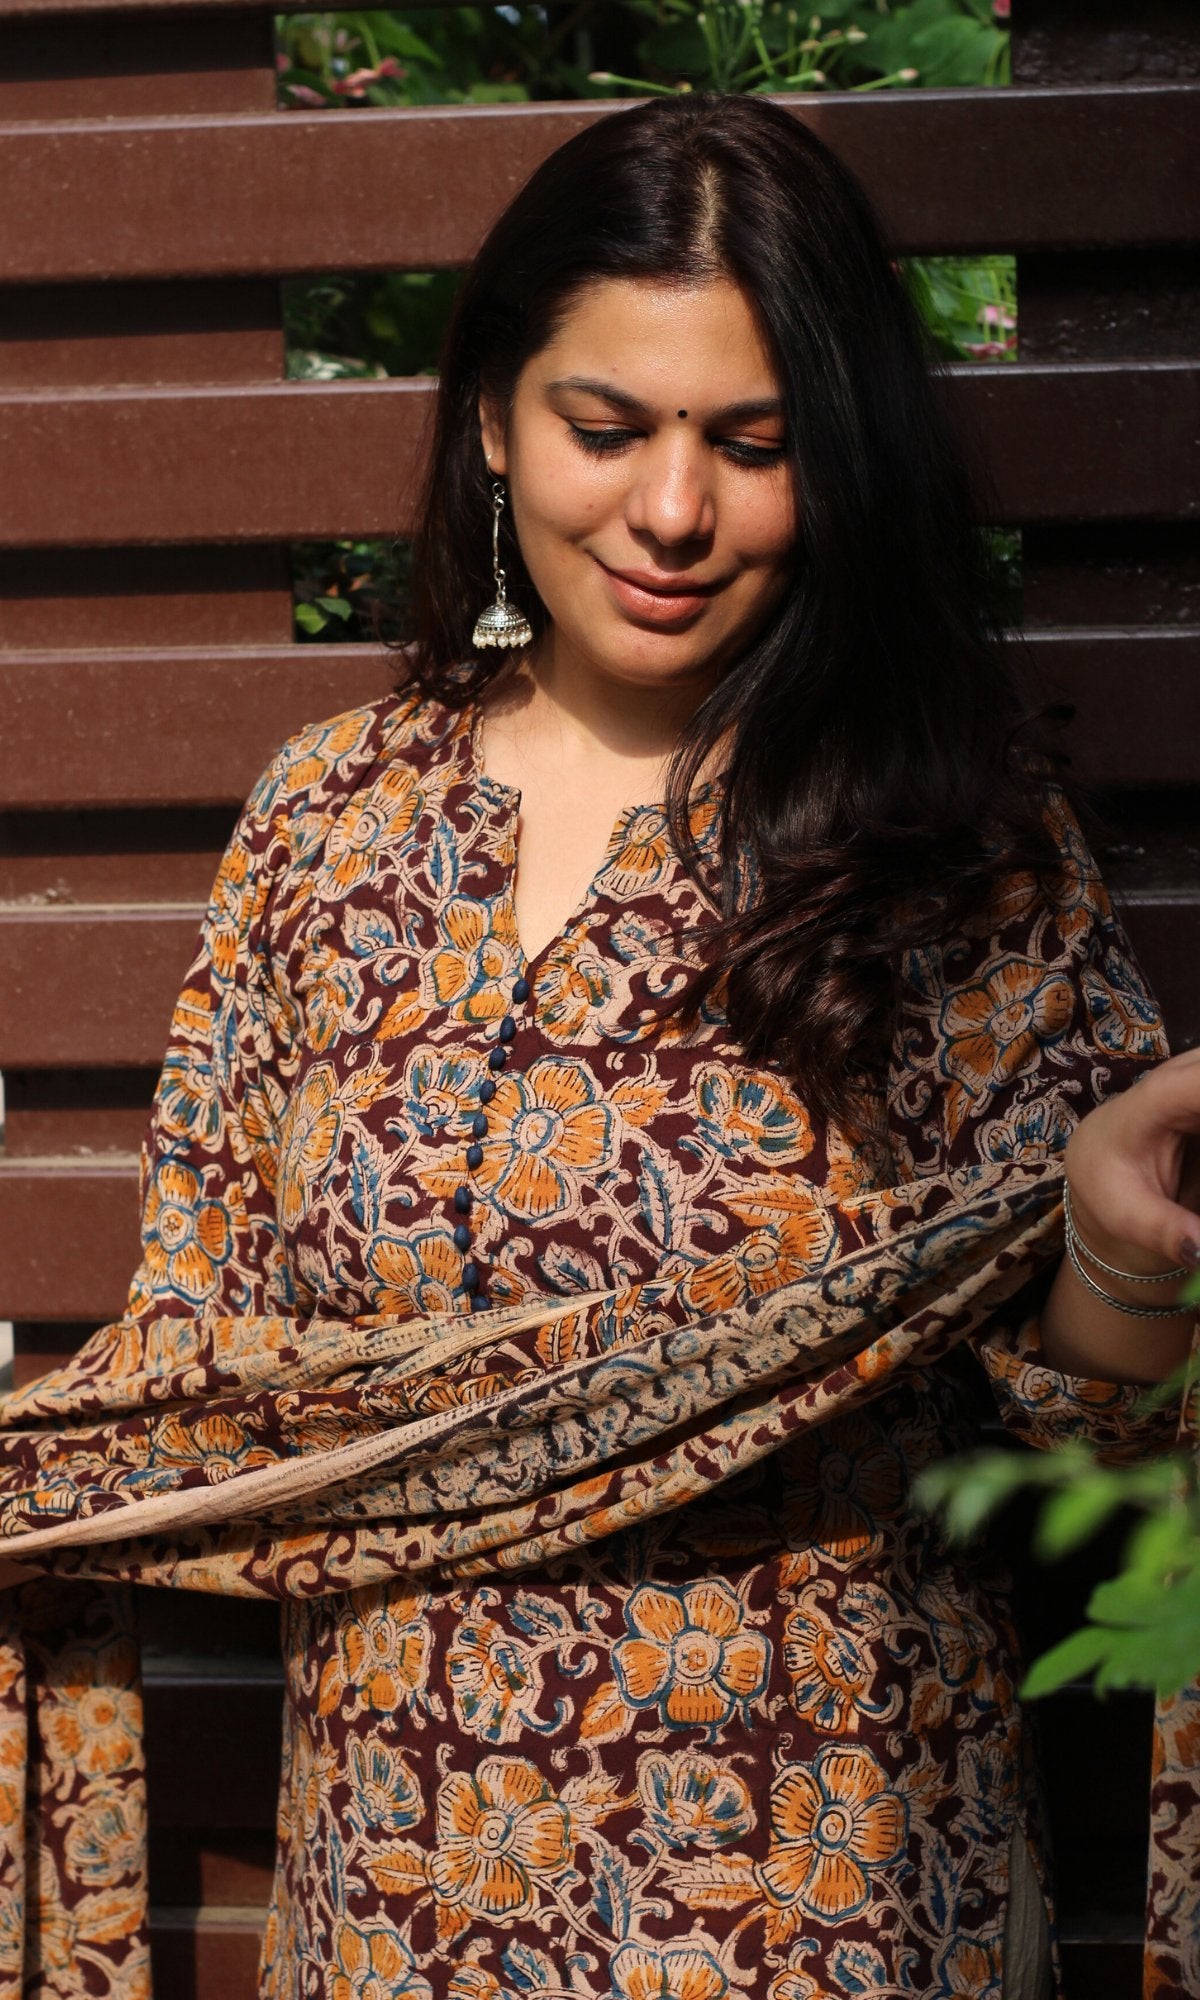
688,944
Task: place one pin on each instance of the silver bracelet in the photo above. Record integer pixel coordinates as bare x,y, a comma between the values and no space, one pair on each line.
1118,1305
1110,1270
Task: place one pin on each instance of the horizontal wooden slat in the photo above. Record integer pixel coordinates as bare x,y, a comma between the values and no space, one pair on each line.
195,726
212,1954
1136,695
192,726
315,460
380,189
90,987
69,1240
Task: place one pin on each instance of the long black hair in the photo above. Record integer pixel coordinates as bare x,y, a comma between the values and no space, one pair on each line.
869,727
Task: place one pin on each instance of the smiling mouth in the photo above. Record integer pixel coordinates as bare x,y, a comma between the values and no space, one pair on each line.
664,587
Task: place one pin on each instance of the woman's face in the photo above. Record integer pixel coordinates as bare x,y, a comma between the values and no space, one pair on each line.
650,486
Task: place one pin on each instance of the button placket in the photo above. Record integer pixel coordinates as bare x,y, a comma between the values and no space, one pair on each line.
497,1059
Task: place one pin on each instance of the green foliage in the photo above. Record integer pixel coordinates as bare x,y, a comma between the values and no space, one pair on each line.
1143,1626
351,590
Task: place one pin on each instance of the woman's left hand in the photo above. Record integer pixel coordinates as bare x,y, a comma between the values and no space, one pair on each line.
1133,1168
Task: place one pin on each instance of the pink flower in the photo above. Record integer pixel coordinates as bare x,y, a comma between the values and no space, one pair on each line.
1002,9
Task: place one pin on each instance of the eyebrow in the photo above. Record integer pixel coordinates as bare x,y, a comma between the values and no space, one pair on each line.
735,413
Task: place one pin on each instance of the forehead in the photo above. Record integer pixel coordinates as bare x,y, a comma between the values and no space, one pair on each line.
670,343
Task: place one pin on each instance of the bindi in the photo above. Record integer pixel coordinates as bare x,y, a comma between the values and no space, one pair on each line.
681,413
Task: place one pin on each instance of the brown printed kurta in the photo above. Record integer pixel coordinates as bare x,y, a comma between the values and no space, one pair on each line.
763,1745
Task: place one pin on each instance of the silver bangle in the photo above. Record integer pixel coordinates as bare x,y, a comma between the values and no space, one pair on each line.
1118,1305
1110,1270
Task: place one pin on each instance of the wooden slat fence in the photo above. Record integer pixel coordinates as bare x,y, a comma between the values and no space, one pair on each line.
156,464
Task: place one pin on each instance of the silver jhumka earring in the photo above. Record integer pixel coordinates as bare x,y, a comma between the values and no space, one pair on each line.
501,624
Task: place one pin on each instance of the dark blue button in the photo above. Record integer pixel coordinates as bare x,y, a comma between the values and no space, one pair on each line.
521,992
470,1278
474,1157
462,1237
480,1302
478,1125
462,1200
487,1090
497,1058
508,1028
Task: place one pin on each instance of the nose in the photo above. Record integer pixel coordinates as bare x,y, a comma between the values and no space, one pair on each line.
671,497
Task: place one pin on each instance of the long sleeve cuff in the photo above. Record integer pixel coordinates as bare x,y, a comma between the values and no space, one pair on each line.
1047,1408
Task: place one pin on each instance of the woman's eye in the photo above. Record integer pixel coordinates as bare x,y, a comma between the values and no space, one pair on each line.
608,439
745,453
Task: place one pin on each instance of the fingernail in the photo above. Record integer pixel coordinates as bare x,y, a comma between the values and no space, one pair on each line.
1189,1250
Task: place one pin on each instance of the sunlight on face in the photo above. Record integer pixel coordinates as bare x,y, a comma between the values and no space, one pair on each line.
651,490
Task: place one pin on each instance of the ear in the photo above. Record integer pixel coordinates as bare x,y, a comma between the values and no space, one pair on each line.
491,428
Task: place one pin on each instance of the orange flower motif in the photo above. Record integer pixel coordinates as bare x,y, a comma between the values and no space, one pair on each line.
573,989
217,1443
312,1128
106,1838
842,1483
493,1680
994,1029
968,1971
372,823
499,1828
638,853
382,1646
93,1719
332,988
547,1127
750,1113
423,1275
682,1972
831,1666
831,1823
184,1239
472,971
374,1964
762,1262
689,1654
189,1104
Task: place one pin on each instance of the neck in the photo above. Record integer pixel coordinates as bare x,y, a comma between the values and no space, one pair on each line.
636,722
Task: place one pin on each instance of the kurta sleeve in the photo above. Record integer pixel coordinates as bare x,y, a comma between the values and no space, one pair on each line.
1009,1034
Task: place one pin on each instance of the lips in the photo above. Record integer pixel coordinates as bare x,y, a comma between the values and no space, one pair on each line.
655,600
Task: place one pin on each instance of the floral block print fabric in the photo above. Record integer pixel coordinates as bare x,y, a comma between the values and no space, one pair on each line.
566,1381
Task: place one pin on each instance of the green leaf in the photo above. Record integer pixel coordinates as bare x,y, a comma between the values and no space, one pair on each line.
309,618
336,607
1072,1658
1068,1518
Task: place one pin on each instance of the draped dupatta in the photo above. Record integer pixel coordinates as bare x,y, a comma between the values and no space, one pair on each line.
280,1456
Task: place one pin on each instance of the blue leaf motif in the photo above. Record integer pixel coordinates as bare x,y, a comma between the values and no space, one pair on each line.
612,1892
942,1877
571,1270
364,1186
527,1968
858,1968
536,1615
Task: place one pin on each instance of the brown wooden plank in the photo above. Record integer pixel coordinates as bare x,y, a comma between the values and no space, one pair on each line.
195,726
51,860
192,726
70,978
206,1954
209,596
114,67
69,1240
273,463
1136,696
380,189
76,1111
